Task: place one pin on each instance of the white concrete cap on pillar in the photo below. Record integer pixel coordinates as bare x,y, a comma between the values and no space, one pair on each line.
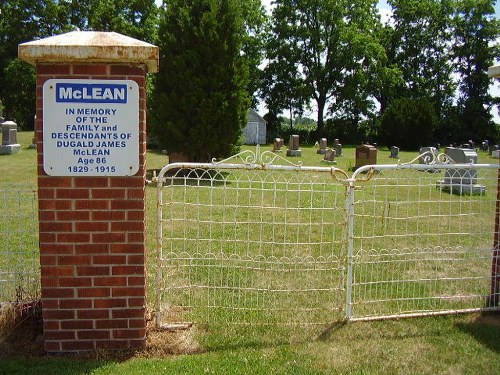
90,46
494,71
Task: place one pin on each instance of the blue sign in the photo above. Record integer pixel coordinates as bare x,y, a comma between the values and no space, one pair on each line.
69,92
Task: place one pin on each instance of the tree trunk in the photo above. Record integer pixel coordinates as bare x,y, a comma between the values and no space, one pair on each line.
321,108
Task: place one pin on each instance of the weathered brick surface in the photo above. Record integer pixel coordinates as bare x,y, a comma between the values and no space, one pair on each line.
92,250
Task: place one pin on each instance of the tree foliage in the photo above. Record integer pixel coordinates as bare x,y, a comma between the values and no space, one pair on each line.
200,100
474,50
324,50
419,45
408,123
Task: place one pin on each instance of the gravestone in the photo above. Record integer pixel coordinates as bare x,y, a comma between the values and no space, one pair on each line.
337,146
428,155
365,155
485,145
322,146
293,146
277,144
9,138
492,148
461,180
329,156
394,152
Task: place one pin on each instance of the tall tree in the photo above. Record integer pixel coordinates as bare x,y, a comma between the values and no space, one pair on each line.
255,21
200,99
135,18
474,49
283,87
418,43
328,41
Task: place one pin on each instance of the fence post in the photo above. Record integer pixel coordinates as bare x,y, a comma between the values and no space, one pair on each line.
91,138
350,247
495,262
494,72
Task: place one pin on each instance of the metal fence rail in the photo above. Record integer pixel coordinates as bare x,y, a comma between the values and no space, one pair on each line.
19,254
250,242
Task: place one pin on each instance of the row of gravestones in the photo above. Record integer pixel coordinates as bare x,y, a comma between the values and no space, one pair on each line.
323,149
365,154
459,180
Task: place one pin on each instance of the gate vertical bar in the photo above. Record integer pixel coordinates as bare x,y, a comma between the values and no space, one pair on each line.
495,261
159,247
350,247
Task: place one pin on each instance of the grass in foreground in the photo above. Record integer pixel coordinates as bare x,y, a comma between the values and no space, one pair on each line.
464,344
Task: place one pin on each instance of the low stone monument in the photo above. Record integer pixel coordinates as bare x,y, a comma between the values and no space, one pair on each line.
365,155
277,144
492,148
329,157
337,146
293,146
9,138
322,146
461,180
394,152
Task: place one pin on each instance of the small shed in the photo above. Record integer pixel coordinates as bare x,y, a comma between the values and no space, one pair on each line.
255,130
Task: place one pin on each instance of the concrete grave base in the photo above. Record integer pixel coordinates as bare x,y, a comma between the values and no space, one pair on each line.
461,189
9,149
293,152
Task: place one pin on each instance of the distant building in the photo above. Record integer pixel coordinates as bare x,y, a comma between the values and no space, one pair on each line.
255,130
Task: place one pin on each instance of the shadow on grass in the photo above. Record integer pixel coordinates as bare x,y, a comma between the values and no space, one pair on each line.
485,329
330,330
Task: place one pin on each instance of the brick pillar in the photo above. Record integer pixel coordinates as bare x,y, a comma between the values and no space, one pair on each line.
92,228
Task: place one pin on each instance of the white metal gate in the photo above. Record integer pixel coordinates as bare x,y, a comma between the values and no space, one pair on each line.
248,241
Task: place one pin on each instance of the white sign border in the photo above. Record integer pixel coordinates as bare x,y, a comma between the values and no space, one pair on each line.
60,161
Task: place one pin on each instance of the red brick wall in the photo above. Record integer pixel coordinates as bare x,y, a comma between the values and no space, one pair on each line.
92,231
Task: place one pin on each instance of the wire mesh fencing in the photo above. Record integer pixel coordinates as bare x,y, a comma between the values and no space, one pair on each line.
19,253
250,246
423,240
255,243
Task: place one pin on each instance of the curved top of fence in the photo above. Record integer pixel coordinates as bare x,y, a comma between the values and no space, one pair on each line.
268,160
426,161
253,160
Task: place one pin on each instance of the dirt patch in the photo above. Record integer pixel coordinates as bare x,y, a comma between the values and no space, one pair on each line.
21,329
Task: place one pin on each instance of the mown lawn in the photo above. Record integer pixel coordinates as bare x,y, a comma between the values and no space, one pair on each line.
458,344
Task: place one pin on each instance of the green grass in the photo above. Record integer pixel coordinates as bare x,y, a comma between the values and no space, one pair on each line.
463,344
467,344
